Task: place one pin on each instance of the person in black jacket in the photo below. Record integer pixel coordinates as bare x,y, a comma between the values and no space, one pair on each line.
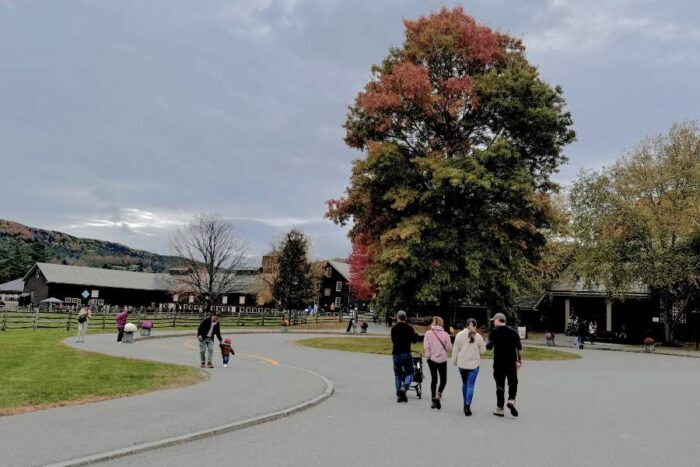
402,336
208,328
507,360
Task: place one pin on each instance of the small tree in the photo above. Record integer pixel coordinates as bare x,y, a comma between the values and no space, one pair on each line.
212,254
632,221
293,284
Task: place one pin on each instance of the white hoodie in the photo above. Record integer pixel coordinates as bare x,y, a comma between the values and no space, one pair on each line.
467,354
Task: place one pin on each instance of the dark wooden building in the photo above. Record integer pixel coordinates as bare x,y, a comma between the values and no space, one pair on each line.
334,288
115,287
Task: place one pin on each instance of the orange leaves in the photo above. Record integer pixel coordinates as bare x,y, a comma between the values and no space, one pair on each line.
406,84
455,31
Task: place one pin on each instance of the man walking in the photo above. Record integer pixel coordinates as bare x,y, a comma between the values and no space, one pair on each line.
402,336
507,360
208,328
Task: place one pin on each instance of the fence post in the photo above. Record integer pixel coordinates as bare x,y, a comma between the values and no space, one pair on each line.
36,317
174,317
68,321
4,320
263,317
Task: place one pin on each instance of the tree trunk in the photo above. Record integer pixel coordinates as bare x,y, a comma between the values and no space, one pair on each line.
669,325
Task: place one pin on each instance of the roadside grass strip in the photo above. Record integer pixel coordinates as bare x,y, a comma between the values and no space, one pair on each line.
382,346
37,372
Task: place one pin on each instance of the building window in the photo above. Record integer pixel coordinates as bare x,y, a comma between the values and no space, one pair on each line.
337,302
327,292
329,271
241,300
338,286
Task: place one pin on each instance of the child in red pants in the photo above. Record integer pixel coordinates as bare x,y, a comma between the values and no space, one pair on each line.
226,350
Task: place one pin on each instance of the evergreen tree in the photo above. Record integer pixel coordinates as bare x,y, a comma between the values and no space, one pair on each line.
293,285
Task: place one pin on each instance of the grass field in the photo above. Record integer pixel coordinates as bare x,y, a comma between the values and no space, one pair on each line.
382,346
37,371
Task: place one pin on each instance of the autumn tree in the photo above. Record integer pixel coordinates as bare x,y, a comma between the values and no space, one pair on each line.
213,256
361,258
460,136
634,221
293,283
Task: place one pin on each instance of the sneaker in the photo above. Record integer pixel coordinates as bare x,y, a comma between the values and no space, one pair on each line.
210,365
511,407
438,404
203,365
467,410
499,412
225,365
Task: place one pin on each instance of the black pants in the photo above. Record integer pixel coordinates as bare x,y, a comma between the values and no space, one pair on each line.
435,370
500,374
120,334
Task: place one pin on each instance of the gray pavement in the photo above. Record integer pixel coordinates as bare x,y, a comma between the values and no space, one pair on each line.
252,385
609,408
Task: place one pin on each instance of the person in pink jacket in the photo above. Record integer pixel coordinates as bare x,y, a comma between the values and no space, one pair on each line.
121,322
437,346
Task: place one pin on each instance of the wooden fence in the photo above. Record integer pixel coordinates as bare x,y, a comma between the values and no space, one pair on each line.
22,318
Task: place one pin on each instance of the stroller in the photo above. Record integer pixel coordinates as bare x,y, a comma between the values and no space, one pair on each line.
417,373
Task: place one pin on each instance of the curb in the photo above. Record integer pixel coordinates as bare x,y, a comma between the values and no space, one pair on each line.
209,432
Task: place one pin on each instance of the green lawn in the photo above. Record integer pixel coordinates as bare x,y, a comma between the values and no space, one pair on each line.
382,346
37,371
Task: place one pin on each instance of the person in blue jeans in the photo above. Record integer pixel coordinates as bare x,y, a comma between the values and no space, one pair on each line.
402,336
466,355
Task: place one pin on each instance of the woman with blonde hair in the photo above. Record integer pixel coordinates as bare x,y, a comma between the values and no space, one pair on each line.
469,345
437,346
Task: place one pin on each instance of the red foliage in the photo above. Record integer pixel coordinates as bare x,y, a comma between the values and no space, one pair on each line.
479,45
406,84
360,259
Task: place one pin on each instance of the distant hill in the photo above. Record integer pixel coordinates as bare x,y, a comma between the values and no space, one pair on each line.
21,245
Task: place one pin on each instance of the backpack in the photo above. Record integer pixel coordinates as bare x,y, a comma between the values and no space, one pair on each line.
82,319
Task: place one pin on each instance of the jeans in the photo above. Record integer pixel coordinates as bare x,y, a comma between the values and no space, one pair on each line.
468,384
403,371
435,370
579,341
500,374
120,334
82,328
206,345
225,357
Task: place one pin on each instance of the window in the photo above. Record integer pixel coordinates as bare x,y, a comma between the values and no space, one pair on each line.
338,286
337,302
224,299
329,271
327,292
241,300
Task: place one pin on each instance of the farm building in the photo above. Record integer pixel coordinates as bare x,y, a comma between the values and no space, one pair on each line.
334,289
12,290
115,287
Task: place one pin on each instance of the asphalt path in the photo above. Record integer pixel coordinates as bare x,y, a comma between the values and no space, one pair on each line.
609,408
252,385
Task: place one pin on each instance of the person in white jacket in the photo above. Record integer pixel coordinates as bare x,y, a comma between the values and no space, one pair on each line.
466,354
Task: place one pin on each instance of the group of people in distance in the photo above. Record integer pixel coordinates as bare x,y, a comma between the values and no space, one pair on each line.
465,354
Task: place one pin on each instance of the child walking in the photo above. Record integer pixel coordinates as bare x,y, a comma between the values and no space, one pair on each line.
226,350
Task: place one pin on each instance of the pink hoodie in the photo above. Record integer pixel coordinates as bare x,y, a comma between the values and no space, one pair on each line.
437,344
121,319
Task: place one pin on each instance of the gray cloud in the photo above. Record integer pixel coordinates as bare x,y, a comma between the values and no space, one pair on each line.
109,110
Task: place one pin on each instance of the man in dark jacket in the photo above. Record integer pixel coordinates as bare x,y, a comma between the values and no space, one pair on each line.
507,360
208,328
402,336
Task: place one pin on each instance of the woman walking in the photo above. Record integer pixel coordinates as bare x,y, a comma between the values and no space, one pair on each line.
469,345
84,316
437,346
121,322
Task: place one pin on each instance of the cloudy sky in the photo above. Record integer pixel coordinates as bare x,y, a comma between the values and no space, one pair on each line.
120,119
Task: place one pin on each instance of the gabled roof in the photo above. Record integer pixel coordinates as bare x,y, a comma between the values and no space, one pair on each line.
342,268
580,288
16,285
98,277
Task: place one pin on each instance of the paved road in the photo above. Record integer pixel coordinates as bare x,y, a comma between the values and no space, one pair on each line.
610,408
252,385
